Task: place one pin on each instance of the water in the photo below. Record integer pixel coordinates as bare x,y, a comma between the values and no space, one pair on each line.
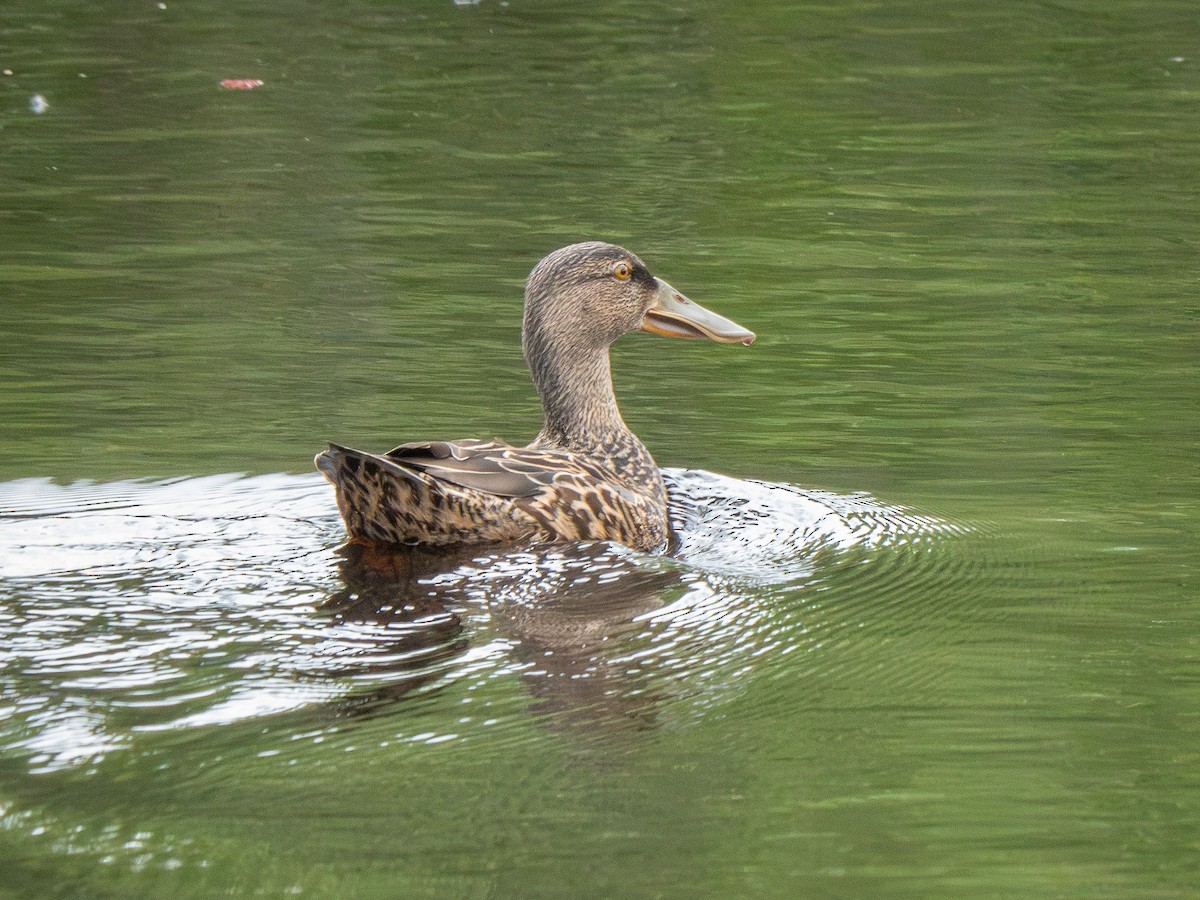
125,601
153,612
932,632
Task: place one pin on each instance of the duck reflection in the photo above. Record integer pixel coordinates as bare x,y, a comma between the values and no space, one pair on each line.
568,614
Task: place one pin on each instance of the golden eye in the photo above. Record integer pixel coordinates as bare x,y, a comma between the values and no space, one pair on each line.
622,271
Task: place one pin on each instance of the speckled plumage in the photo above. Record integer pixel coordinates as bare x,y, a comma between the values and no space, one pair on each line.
585,476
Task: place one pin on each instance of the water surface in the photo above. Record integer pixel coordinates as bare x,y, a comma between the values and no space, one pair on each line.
930,632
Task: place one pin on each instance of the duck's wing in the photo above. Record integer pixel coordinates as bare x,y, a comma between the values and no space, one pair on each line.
447,492
391,500
564,495
492,467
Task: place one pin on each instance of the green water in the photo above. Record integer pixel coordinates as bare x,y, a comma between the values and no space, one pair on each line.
967,236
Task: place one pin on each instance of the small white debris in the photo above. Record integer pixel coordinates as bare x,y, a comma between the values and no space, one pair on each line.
38,104
8,71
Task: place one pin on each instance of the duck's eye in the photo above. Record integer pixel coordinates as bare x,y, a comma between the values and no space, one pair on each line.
622,271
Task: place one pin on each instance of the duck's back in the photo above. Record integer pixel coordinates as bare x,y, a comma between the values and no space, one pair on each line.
456,492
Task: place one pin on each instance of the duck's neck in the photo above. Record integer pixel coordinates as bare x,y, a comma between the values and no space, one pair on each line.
581,416
574,382
578,404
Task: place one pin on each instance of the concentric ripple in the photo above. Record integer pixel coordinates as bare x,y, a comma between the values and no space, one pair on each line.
135,609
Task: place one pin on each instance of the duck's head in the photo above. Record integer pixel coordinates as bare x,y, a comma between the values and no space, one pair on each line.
585,296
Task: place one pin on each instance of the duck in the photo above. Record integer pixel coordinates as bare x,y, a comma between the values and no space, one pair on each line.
585,476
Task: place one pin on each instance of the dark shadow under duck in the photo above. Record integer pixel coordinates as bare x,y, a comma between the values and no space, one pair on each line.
585,476
565,615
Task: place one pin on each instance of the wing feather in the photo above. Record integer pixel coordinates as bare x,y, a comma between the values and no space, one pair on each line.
490,466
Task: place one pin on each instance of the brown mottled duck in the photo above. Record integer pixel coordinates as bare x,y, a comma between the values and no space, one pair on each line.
585,476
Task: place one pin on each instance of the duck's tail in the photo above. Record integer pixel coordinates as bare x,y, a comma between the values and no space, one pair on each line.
330,462
384,501
372,497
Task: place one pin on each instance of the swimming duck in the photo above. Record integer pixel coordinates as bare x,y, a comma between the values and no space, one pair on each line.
585,476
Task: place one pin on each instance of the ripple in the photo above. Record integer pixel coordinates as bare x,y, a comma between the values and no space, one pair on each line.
142,608
774,533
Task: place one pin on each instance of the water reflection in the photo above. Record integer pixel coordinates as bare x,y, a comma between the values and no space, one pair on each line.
134,609
558,611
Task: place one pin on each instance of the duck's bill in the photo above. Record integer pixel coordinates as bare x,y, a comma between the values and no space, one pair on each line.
674,315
